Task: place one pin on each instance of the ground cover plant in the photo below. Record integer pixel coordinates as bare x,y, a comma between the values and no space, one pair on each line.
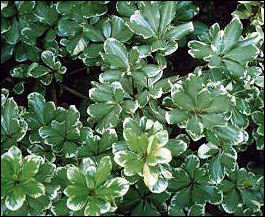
129,108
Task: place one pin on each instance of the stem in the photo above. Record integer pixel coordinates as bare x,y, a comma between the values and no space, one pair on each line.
76,71
9,79
54,93
74,92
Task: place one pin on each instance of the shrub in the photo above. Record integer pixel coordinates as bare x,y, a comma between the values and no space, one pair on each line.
132,108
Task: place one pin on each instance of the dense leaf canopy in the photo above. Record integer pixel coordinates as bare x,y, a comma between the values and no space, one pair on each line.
132,108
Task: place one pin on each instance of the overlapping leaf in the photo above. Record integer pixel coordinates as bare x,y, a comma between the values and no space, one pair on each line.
111,101
198,107
24,182
153,22
63,134
241,187
13,126
144,153
226,49
192,186
91,190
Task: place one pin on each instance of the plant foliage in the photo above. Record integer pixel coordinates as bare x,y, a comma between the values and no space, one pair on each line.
132,108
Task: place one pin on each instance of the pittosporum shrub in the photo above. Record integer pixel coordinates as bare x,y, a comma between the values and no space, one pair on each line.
132,108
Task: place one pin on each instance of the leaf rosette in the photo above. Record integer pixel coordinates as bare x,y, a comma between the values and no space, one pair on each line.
197,106
226,49
144,153
25,182
91,190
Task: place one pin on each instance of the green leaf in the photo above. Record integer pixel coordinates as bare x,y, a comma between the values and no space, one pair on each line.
13,127
231,134
37,206
113,188
105,116
181,182
197,210
30,167
96,207
107,109
119,30
232,33
37,71
19,88
126,8
143,154
63,135
231,201
152,180
15,198
116,48
182,100
48,58
19,71
207,150
243,54
192,186
45,13
25,6
103,170
137,143
252,199
258,117
178,32
140,26
95,146
60,208
106,93
90,190
216,169
74,44
176,116
213,120
151,70
199,49
145,209
76,203
210,193
131,125
76,177
195,128
67,27
46,172
39,114
168,12
204,99
192,163
229,158
93,9
13,33
34,189
33,207
13,161
132,163
235,69
7,52
93,50
177,146
219,104
178,202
